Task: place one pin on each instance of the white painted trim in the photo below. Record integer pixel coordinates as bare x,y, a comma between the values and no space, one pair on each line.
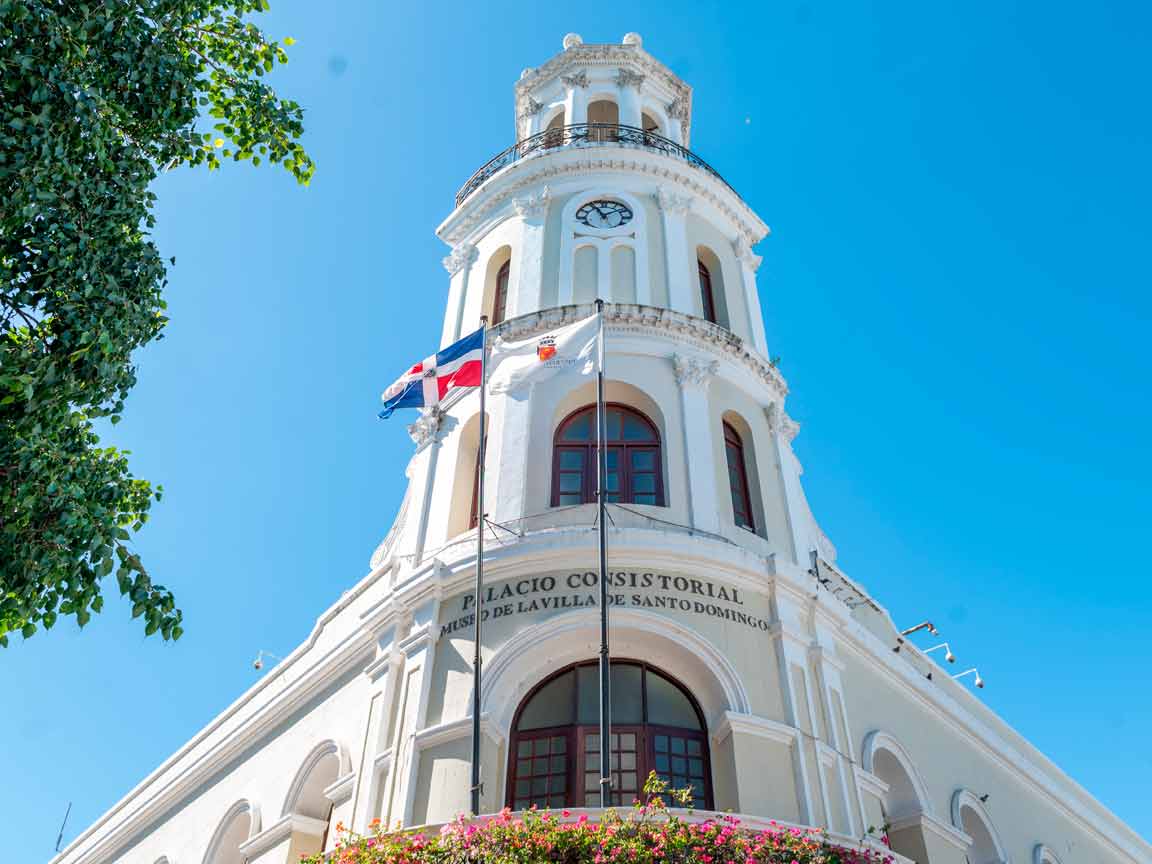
958,839
238,809
341,789
1042,854
878,740
279,831
760,727
962,798
453,730
870,783
326,748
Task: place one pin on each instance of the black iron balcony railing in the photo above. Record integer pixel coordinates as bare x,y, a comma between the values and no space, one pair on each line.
584,135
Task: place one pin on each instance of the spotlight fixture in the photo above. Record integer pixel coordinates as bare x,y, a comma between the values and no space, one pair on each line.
923,625
899,642
258,663
949,656
979,682
984,798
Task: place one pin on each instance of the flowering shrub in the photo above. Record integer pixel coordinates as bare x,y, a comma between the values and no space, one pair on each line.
647,834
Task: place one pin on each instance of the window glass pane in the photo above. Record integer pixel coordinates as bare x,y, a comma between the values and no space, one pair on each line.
636,429
551,706
644,460
572,460
588,712
612,458
627,699
579,428
612,481
612,422
668,706
644,483
643,499
571,482
568,499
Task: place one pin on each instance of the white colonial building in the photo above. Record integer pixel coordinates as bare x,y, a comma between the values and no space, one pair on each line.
748,666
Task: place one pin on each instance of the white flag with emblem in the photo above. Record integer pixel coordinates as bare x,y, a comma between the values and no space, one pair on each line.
569,350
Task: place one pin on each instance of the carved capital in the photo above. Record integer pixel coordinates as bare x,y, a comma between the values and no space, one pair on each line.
678,110
691,372
533,206
426,426
670,202
580,79
744,253
628,78
460,257
789,428
531,108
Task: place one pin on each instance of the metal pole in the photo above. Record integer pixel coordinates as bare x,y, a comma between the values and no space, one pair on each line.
601,496
476,786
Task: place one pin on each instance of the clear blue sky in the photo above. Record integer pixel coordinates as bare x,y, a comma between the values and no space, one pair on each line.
957,282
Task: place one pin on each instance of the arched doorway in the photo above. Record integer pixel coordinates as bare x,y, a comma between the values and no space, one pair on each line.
554,758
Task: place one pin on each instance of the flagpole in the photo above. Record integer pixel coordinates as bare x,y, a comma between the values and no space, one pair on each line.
475,790
601,496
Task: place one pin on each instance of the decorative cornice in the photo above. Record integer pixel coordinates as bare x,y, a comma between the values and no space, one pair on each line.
693,373
648,321
670,202
533,206
565,162
627,78
459,258
580,79
426,426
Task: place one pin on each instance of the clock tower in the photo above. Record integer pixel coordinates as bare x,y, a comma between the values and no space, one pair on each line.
746,667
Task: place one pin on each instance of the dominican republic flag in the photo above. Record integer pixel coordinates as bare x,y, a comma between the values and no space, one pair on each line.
425,384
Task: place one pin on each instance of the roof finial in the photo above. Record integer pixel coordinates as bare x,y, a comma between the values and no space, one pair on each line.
633,39
572,40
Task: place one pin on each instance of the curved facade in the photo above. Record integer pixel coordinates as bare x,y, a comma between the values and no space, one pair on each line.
748,666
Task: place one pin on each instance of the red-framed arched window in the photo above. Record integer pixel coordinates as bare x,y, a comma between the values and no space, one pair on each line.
500,297
707,301
632,446
554,759
738,478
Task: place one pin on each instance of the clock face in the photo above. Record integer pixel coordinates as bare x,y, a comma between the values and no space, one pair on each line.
604,214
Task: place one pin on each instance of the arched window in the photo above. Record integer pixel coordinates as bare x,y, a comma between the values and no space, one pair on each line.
634,474
656,726
738,479
707,301
500,295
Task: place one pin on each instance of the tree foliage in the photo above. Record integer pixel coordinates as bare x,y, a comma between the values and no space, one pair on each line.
96,98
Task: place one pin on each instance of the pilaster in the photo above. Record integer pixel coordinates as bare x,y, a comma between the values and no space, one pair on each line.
527,272
372,777
459,266
421,477
628,97
693,376
674,215
749,263
575,99
784,429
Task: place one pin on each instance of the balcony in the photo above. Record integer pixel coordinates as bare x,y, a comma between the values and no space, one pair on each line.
584,135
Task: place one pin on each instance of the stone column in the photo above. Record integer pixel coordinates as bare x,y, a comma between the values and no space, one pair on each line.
459,266
682,289
678,121
829,690
749,262
693,376
628,101
528,269
575,98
